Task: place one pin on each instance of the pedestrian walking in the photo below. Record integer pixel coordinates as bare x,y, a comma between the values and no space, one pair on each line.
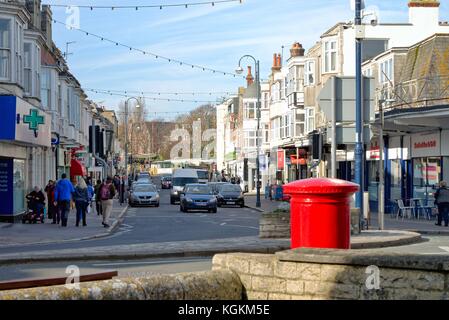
98,206
106,193
81,198
442,201
50,191
91,193
63,195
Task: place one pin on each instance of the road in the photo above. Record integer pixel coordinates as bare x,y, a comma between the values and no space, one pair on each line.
124,268
166,224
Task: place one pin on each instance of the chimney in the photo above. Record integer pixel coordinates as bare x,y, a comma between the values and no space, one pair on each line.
276,63
46,27
424,12
249,77
297,50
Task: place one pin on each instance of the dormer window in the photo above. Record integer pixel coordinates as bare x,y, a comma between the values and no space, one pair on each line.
5,49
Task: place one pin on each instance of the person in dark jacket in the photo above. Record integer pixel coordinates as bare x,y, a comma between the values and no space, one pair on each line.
97,198
50,191
81,198
442,201
36,200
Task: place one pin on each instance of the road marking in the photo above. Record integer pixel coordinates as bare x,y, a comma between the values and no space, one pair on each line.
145,262
222,224
445,248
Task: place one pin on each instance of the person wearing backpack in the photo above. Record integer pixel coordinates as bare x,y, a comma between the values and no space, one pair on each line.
106,193
442,201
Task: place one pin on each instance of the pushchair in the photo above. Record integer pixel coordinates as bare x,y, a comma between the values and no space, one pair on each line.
33,215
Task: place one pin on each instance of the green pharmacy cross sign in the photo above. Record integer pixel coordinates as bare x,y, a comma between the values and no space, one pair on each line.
33,119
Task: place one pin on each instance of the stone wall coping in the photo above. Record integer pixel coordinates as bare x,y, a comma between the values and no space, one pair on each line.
366,257
208,285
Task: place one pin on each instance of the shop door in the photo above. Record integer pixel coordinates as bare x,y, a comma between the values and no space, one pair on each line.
426,176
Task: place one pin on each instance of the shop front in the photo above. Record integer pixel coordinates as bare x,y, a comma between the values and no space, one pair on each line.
24,130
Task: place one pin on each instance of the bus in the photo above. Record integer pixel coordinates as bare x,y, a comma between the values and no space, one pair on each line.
162,168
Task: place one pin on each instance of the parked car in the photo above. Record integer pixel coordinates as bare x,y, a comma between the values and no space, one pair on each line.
230,194
144,194
166,182
198,197
180,178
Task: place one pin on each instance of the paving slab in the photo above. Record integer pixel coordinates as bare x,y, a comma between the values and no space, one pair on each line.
16,234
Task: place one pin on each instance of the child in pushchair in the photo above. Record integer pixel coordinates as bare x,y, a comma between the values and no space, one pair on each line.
36,204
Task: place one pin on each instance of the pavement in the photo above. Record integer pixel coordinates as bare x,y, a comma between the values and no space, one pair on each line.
422,226
47,233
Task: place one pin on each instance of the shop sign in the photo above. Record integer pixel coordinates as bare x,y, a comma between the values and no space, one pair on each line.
426,145
22,122
281,159
6,186
373,153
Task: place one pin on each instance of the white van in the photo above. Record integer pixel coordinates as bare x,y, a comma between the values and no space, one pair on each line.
180,178
203,175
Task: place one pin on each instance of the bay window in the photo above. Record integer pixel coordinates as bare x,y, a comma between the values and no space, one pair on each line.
28,69
46,89
330,56
250,139
310,119
5,48
309,75
31,69
386,71
250,110
299,122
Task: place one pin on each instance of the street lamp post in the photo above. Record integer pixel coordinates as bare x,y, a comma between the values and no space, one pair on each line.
358,109
239,70
126,133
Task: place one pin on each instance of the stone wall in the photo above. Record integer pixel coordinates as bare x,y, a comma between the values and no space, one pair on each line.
212,285
308,274
275,225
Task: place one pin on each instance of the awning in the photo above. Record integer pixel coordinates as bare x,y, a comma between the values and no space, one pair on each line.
77,169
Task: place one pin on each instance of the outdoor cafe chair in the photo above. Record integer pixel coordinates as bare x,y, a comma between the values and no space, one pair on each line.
404,210
426,208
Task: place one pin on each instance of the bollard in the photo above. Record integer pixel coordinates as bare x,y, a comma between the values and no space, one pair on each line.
320,213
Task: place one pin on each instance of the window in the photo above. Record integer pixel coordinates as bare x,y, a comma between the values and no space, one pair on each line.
59,100
330,56
275,91
310,119
28,69
46,89
299,122
5,48
19,49
309,76
285,126
250,139
368,72
386,71
275,128
250,110
266,134
266,98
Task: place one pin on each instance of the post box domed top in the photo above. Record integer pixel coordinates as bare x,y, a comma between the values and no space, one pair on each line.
320,186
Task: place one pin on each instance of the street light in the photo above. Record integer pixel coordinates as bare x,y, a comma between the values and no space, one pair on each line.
126,133
239,70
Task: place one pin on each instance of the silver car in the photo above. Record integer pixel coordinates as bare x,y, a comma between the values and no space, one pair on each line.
144,195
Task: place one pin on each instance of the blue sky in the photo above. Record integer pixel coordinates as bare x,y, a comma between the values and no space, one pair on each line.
211,36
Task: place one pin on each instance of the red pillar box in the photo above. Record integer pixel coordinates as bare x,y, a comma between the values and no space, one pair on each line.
320,214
